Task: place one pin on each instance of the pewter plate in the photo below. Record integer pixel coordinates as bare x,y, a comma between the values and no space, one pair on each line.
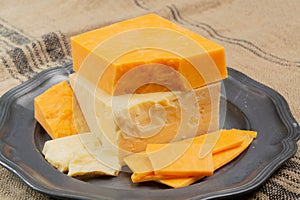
249,105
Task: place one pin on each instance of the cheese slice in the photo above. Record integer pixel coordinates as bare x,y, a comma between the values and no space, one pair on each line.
57,110
141,167
219,159
221,140
79,155
229,145
127,123
179,160
139,163
160,53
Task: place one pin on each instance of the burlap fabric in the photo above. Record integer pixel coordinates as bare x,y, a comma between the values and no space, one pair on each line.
261,39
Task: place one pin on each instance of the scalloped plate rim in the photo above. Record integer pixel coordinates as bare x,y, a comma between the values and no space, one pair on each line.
282,108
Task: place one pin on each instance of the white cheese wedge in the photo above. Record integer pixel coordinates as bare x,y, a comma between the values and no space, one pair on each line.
127,123
80,154
87,163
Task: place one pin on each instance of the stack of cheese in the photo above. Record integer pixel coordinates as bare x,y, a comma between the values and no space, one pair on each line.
147,80
138,82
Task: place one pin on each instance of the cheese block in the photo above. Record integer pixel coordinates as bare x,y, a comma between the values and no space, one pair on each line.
128,123
57,110
80,155
154,53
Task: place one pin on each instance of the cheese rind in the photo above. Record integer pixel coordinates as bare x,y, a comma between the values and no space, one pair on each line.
108,53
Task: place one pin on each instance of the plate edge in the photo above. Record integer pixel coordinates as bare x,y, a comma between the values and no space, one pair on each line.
282,108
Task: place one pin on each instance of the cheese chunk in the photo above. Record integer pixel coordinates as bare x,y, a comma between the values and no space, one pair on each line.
129,122
79,155
85,163
58,112
147,42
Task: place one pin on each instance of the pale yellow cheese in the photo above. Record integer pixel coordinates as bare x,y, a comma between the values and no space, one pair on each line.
79,155
127,123
85,163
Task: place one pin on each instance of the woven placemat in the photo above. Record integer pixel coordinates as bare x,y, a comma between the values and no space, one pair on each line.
261,39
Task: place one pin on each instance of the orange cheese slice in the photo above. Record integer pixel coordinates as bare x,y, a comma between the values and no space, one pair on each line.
186,164
224,139
139,162
108,53
219,159
230,150
58,112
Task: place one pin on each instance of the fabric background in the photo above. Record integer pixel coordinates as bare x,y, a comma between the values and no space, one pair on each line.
261,39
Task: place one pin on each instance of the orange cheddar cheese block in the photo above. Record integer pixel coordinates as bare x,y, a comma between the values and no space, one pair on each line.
159,53
223,154
58,112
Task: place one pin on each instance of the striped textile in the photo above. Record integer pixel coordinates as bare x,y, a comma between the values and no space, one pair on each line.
23,62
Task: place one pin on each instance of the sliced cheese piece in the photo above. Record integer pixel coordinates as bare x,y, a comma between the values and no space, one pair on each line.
128,123
53,148
221,139
223,157
246,133
78,154
108,53
224,151
207,144
58,112
185,161
219,159
180,182
140,164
